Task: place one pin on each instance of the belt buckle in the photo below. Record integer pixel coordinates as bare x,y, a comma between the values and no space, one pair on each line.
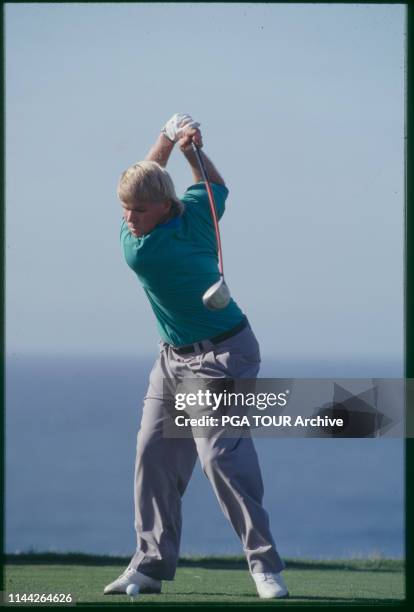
198,347
186,349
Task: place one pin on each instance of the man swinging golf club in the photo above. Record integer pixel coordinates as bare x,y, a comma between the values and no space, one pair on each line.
173,246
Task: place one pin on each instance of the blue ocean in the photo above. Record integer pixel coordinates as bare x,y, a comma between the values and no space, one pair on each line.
71,425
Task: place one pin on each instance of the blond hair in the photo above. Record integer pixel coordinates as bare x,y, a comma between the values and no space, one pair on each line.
147,181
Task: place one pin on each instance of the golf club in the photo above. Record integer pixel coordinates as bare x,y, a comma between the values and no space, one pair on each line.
218,295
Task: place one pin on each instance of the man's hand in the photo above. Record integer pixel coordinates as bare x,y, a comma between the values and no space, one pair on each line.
175,127
190,135
182,129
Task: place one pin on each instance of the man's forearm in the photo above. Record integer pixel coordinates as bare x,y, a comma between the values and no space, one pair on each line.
160,151
212,173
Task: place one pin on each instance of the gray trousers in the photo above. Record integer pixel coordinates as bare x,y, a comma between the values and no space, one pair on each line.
164,465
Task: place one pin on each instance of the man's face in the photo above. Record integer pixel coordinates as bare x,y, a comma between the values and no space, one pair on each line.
143,217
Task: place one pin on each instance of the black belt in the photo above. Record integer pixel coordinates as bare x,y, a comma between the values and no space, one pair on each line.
191,348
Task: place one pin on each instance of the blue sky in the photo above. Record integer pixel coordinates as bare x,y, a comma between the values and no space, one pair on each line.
302,110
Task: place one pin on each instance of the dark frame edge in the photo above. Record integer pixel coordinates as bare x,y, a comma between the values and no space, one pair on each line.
2,297
409,298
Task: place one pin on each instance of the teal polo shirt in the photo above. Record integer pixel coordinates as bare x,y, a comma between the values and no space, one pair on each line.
176,263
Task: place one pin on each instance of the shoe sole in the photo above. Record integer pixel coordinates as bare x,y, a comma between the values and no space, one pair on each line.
276,597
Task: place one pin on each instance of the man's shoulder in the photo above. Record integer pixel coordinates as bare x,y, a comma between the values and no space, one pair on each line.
196,197
197,205
199,191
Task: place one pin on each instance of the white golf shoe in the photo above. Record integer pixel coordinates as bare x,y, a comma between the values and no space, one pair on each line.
270,586
131,576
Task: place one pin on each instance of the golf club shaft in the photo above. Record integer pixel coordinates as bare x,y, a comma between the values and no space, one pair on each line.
212,205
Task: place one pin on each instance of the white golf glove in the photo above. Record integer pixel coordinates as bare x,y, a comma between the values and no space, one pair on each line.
175,127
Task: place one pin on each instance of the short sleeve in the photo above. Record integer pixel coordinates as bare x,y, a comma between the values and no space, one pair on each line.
197,202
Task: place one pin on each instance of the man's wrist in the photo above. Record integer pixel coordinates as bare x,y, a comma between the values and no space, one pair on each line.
166,137
160,151
189,154
192,160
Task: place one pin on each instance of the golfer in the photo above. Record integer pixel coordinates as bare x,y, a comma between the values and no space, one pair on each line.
170,244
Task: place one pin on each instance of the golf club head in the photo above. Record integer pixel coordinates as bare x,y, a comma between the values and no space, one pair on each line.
217,296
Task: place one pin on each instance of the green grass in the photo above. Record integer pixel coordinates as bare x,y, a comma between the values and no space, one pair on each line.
208,580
